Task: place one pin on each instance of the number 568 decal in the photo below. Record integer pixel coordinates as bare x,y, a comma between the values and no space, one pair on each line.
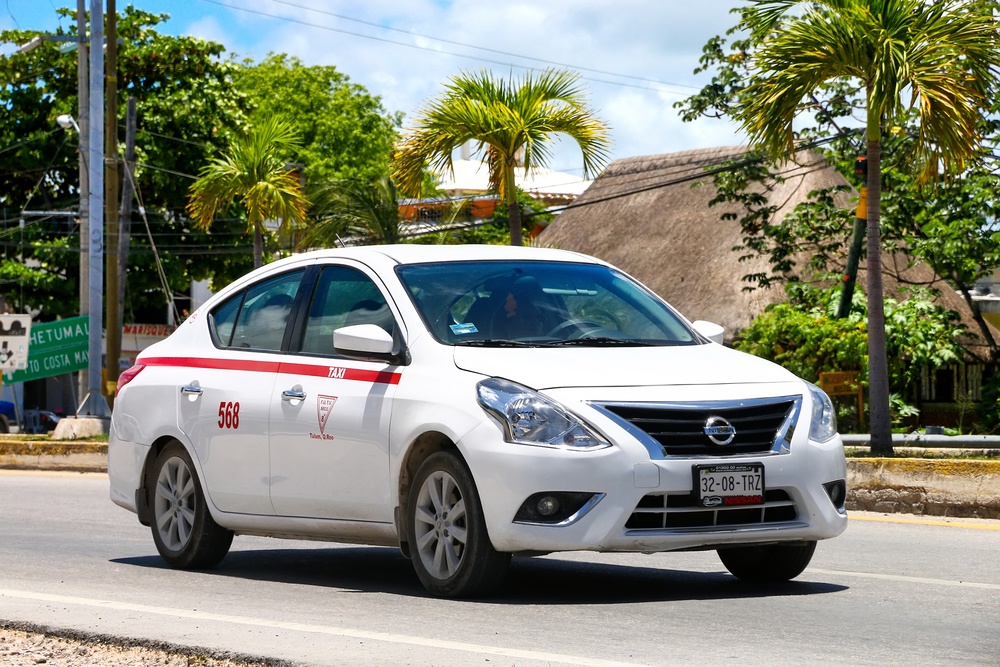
229,414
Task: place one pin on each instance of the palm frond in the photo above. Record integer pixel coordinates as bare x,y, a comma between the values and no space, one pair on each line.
503,116
938,57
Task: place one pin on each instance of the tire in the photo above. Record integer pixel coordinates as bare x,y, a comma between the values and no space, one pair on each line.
772,563
183,529
449,544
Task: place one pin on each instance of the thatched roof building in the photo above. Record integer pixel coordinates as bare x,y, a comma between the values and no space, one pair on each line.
650,216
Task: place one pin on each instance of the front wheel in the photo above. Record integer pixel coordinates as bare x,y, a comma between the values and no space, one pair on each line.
452,553
183,529
771,563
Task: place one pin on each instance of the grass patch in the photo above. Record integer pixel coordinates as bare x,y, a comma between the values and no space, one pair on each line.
47,437
927,453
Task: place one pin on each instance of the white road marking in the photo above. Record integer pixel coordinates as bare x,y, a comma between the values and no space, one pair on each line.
51,473
480,649
904,579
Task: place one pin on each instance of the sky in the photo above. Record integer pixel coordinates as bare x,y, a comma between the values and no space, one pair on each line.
636,57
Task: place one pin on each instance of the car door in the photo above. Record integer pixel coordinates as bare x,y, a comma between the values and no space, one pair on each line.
330,414
226,395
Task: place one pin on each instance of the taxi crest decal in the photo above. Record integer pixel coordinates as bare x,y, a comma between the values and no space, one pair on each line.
324,404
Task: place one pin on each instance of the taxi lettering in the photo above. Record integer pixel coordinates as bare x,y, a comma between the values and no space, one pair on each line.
337,372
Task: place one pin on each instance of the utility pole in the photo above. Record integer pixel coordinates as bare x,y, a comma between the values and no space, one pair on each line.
128,192
113,328
94,403
83,130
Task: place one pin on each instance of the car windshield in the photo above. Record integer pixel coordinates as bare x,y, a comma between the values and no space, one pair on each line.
539,303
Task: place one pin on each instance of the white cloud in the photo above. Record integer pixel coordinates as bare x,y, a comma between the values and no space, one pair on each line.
626,52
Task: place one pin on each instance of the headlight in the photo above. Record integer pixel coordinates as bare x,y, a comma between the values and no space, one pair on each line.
823,424
529,418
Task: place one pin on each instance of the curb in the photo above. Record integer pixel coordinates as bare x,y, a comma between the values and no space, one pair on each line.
55,456
934,487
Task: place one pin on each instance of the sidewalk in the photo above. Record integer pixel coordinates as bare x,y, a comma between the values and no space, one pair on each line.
935,487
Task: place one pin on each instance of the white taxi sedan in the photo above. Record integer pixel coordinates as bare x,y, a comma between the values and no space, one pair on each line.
467,404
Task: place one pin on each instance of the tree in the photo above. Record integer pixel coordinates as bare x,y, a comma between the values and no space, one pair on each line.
950,225
186,107
345,133
253,171
192,99
804,336
513,120
940,53
953,226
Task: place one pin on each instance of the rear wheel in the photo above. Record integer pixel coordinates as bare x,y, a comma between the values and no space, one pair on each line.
768,564
450,548
183,529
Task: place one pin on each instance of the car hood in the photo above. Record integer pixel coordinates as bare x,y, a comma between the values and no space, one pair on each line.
549,368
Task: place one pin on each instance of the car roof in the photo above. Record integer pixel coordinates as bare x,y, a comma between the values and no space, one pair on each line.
417,254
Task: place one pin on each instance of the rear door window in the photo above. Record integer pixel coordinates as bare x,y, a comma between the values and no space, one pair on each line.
257,317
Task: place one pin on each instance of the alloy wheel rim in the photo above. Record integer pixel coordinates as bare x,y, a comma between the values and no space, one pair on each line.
440,525
175,504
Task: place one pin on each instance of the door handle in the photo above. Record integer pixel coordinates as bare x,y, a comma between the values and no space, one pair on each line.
191,390
293,395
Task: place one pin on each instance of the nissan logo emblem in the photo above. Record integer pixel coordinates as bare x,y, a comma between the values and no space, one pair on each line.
719,431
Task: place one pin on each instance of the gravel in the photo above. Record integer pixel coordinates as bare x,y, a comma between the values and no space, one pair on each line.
27,646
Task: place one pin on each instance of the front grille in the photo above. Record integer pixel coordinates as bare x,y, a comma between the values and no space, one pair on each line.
680,428
660,511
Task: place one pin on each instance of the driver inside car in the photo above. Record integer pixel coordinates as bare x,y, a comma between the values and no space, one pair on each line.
520,316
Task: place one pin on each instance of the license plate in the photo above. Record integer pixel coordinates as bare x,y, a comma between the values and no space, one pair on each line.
730,484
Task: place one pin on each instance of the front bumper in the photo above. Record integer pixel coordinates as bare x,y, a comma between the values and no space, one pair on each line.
646,505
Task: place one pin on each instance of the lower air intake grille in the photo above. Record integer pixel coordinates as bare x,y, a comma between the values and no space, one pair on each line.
680,511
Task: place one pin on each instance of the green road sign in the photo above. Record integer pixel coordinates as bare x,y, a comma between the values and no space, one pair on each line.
56,348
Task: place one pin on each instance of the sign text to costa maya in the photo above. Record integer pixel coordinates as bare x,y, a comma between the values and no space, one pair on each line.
56,348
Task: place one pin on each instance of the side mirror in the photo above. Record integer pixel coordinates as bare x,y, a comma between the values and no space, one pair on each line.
363,340
709,330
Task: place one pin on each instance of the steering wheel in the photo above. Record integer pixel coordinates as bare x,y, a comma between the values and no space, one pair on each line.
582,327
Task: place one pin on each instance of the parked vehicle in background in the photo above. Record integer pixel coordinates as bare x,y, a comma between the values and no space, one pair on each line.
40,421
469,404
8,416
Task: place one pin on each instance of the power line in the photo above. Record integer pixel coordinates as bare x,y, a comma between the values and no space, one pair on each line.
200,144
706,172
146,165
28,141
481,48
441,52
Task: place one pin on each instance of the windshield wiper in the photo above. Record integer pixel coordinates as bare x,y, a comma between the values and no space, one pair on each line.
598,341
494,342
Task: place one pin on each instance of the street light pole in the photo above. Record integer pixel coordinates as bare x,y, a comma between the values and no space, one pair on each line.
94,403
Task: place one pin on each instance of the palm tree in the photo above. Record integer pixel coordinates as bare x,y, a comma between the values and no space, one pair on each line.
253,172
506,117
368,210
941,55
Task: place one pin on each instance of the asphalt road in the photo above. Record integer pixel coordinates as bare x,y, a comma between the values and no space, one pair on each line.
891,591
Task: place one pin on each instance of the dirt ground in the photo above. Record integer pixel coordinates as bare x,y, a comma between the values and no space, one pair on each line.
26,648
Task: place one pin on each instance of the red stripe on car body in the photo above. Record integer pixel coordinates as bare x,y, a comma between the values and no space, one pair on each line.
284,368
